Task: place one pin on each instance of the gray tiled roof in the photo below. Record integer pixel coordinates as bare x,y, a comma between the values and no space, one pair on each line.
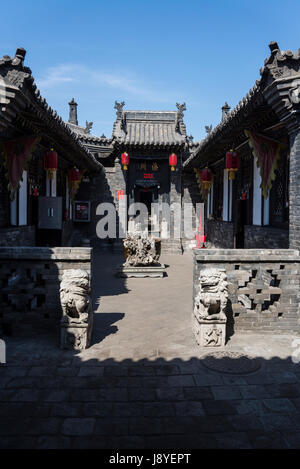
150,128
23,92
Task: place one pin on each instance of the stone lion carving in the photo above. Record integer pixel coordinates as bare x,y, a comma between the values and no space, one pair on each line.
76,305
211,300
140,249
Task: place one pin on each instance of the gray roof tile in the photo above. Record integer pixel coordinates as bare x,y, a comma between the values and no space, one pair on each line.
149,128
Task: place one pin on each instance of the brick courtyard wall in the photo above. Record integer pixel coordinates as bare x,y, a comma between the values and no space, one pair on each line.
30,281
219,234
263,287
266,237
17,236
100,188
294,190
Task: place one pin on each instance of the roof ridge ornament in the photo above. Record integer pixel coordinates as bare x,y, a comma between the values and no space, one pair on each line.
19,57
274,47
88,126
279,64
181,108
119,107
225,111
179,120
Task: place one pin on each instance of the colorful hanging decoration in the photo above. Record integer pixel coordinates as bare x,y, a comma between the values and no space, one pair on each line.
74,178
206,177
51,163
173,161
267,153
232,163
203,184
154,166
17,154
35,192
125,161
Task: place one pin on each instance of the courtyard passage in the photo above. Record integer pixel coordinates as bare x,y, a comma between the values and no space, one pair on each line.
144,383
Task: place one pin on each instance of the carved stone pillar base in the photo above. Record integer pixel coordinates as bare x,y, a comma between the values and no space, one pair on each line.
76,336
209,333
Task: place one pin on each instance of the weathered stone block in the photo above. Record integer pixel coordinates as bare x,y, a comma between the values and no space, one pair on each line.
210,334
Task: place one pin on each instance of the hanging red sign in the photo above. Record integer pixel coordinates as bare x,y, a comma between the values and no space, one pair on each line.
148,175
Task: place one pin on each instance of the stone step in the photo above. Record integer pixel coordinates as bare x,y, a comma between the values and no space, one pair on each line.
171,246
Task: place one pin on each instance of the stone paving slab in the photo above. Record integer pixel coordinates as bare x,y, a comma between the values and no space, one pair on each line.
143,383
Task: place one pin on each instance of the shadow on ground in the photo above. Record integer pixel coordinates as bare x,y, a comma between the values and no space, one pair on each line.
104,326
51,398
105,282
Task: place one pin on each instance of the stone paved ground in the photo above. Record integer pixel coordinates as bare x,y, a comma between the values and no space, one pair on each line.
143,383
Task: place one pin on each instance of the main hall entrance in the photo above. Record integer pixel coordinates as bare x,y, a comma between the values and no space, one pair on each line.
148,183
147,196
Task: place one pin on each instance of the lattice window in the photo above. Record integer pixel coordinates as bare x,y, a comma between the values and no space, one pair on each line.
279,194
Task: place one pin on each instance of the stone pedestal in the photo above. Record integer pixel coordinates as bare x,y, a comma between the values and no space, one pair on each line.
158,270
209,333
76,336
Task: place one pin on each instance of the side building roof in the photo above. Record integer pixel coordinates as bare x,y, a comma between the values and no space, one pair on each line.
21,102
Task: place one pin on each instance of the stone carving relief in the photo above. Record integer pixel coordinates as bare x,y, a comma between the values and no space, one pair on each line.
209,317
294,94
141,249
212,337
77,319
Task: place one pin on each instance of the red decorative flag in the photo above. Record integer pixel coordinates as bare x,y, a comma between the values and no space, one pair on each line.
120,194
74,179
17,153
203,190
267,153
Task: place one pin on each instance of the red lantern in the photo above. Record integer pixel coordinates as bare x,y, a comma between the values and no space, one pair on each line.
74,179
125,161
206,177
51,162
35,192
173,161
232,163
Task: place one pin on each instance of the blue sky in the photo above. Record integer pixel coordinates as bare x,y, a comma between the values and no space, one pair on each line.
149,54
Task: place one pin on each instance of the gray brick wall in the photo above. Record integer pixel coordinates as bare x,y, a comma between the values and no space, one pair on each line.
266,237
17,236
294,202
219,234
